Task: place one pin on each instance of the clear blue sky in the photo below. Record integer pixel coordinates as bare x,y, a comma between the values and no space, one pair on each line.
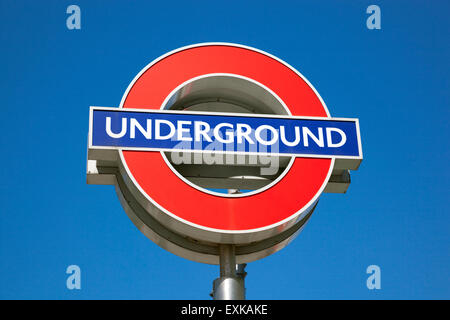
395,80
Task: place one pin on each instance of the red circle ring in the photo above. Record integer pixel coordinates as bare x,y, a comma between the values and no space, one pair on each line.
201,215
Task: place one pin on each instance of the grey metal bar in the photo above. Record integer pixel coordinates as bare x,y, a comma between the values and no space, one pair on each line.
230,285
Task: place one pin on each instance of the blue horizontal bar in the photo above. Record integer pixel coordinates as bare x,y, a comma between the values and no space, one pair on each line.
166,130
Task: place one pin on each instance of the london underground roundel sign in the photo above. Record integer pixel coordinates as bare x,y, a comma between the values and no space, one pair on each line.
209,118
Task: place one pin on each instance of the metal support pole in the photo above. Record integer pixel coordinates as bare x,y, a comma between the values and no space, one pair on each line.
230,284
